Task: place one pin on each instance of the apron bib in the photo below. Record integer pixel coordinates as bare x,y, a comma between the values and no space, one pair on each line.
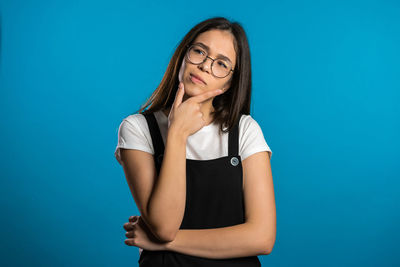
214,199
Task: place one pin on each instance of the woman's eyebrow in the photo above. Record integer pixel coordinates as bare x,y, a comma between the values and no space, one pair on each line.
207,48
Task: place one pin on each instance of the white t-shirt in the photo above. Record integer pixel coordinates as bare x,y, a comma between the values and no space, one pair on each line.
207,143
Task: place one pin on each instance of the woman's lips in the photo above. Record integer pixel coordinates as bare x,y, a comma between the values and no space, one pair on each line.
195,79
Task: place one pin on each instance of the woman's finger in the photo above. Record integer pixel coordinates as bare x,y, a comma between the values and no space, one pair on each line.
133,218
179,95
129,226
130,242
205,96
130,234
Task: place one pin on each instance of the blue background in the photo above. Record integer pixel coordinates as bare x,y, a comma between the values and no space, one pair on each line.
325,93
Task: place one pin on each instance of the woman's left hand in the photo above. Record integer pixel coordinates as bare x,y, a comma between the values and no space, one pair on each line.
139,235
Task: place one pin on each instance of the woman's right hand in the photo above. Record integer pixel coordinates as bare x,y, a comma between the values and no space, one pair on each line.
187,117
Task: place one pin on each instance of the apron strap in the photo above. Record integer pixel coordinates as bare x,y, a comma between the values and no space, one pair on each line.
233,140
158,143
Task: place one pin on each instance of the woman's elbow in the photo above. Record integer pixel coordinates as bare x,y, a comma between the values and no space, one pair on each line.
162,233
165,235
267,246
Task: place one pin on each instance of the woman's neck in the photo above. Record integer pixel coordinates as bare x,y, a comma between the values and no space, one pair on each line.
206,111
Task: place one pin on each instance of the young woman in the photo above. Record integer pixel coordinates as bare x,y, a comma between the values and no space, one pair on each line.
206,198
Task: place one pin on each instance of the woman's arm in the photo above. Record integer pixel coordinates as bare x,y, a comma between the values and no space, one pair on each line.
240,240
254,237
148,188
166,205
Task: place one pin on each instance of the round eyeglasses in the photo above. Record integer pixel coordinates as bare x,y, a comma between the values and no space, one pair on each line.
197,55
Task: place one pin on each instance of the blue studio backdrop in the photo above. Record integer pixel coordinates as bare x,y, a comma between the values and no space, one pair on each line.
325,92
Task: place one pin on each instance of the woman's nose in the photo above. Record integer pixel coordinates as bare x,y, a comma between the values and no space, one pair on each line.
205,65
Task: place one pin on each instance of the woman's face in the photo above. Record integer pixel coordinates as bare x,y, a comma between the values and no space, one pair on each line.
218,42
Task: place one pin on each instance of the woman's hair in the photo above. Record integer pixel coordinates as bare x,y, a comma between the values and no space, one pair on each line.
229,105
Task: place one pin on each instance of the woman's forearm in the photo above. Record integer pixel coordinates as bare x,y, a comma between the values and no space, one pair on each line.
240,240
167,203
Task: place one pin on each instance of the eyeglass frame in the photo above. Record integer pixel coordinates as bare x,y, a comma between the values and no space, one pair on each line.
205,59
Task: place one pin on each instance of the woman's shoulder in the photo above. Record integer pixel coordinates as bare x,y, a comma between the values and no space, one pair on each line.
132,134
141,119
133,124
247,122
137,118
251,137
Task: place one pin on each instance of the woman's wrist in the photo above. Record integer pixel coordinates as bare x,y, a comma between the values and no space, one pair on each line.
177,133
169,245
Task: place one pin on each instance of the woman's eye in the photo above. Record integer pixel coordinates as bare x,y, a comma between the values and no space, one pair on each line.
222,64
198,51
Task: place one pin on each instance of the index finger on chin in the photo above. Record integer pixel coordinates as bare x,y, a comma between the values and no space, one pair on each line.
179,95
207,95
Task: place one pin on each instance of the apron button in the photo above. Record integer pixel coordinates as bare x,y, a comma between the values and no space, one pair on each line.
234,161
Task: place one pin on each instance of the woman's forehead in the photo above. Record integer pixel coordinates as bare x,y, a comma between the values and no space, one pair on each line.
217,43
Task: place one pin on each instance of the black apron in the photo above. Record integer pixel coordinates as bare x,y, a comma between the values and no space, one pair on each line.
214,198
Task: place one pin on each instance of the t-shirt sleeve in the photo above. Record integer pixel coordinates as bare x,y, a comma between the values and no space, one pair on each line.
252,139
131,136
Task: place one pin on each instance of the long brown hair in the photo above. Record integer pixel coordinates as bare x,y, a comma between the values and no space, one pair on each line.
228,106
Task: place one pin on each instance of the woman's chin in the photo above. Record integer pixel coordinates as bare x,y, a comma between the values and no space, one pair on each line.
194,89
